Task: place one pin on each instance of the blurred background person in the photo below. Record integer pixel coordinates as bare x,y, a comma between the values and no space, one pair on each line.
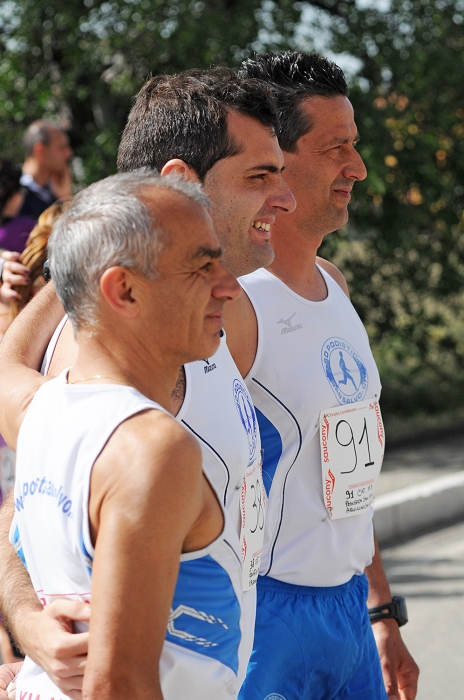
46,170
14,228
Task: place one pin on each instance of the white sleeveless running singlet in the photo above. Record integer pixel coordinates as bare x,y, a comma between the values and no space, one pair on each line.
63,432
218,410
311,356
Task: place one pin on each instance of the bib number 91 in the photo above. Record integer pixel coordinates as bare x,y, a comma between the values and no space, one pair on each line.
352,442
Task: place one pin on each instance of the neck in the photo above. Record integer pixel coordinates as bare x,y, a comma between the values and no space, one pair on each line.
295,262
40,174
153,374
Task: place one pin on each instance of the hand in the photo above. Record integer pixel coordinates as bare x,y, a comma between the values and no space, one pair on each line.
13,273
8,673
400,671
61,183
52,645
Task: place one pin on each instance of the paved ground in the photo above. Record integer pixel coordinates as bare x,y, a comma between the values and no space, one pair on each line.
429,572
415,463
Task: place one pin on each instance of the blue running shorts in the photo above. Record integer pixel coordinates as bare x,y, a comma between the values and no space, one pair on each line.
313,644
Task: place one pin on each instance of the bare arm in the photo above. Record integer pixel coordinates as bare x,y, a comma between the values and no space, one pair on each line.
335,273
16,591
241,328
21,352
400,671
141,525
43,634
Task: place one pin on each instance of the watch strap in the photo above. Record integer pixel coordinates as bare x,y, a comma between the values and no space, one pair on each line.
395,610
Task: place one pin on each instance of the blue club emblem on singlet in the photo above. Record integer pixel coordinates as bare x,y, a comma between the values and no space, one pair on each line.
345,370
247,414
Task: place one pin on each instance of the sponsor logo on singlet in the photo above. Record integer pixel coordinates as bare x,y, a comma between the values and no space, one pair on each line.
247,414
274,696
345,370
197,614
289,327
209,367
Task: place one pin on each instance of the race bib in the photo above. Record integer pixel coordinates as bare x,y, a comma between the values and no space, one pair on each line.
352,446
253,515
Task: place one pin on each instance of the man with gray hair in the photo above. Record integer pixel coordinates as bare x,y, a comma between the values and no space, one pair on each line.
108,482
46,173
214,129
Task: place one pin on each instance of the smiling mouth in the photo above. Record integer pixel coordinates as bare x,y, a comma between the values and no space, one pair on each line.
260,226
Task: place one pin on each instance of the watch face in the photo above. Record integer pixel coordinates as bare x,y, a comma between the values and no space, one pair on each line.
400,610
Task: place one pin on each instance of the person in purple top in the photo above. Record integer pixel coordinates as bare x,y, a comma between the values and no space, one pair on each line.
14,229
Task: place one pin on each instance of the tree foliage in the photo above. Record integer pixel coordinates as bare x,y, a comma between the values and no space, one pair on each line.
82,61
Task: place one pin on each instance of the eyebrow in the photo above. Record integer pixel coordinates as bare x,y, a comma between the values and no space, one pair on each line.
342,141
206,252
267,167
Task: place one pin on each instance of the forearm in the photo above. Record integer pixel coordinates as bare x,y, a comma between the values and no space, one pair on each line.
18,601
21,353
379,588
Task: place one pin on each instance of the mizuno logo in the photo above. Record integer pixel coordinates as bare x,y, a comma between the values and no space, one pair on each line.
209,367
288,323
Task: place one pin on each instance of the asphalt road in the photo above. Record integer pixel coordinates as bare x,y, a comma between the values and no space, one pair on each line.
429,572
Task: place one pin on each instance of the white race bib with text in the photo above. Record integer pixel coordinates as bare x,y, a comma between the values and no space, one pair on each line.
352,447
253,515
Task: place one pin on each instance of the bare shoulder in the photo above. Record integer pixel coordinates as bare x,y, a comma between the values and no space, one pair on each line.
157,443
241,327
65,351
150,461
335,273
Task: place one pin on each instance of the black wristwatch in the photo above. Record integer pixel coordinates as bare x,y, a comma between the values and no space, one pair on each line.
396,610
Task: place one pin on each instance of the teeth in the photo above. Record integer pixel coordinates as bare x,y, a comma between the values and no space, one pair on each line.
259,224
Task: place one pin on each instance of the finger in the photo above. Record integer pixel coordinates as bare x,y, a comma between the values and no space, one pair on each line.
73,649
389,679
16,267
8,294
10,255
70,609
68,685
13,279
11,690
408,686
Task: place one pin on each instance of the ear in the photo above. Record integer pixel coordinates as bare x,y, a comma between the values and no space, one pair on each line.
117,288
38,150
176,166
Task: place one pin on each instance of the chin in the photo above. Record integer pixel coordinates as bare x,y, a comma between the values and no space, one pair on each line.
259,257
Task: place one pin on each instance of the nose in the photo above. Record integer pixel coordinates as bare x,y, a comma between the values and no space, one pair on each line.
355,168
226,286
282,197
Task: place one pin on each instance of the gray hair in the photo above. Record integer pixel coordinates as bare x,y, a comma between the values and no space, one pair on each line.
39,132
109,224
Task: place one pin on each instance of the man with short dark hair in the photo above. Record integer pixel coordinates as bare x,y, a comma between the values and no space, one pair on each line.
309,371
46,172
244,183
